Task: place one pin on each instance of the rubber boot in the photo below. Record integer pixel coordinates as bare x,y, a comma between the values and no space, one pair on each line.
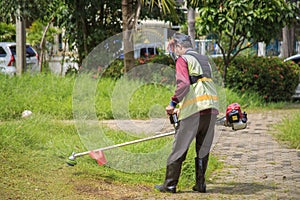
171,180
200,168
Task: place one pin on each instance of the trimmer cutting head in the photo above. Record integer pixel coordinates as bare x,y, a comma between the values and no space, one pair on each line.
71,161
98,155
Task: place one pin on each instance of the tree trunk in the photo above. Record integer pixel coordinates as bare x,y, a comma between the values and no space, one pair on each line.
20,44
85,34
127,12
191,25
226,64
62,62
42,44
288,34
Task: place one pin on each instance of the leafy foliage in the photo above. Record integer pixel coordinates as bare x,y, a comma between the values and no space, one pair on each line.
271,78
35,33
91,22
166,10
240,24
7,32
116,68
27,9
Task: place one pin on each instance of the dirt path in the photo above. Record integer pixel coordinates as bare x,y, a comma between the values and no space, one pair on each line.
256,166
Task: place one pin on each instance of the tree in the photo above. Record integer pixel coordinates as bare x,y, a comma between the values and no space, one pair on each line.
130,15
90,22
55,11
240,24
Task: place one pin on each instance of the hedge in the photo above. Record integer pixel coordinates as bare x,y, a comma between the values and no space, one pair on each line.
271,78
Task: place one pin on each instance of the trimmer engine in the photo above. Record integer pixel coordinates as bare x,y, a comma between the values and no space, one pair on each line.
235,118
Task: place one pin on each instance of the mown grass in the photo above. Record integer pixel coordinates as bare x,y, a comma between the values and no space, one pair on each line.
33,161
34,150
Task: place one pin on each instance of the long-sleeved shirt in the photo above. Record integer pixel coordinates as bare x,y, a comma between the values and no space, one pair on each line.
182,80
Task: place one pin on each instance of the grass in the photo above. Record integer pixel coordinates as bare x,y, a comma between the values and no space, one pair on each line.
58,97
33,150
252,102
288,131
32,156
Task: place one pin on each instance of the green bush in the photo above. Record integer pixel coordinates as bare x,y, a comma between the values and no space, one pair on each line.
163,59
271,78
115,69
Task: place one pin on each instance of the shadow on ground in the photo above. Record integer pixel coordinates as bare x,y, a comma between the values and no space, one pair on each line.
235,188
240,188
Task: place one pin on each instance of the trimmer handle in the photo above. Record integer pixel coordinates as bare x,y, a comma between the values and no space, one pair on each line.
173,119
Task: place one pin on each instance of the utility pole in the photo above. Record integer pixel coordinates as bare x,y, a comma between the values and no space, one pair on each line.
21,43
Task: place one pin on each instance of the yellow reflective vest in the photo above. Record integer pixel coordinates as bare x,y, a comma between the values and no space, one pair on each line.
202,94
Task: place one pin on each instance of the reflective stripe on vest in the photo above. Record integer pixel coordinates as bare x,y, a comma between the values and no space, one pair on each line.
202,94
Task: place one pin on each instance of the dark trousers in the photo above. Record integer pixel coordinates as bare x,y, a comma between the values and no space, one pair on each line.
200,127
196,126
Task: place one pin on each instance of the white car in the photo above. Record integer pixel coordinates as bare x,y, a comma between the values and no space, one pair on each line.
9,70
8,58
295,59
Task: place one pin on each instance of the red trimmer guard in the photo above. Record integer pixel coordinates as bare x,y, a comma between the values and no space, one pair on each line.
98,156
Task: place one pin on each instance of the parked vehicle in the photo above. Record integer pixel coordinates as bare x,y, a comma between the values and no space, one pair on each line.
8,58
9,70
295,59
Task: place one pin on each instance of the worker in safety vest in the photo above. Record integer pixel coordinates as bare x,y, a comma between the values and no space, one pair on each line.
197,102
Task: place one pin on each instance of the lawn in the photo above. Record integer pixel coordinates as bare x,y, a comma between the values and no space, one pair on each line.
34,150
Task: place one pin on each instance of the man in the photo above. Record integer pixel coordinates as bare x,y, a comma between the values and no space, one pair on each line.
198,109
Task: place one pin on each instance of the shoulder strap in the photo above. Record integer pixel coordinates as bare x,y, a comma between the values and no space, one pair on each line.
204,63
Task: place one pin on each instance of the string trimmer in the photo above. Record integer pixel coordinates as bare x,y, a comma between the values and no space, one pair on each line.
98,155
234,118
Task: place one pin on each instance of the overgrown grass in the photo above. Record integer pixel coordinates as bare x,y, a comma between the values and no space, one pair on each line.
252,102
42,93
54,96
288,130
